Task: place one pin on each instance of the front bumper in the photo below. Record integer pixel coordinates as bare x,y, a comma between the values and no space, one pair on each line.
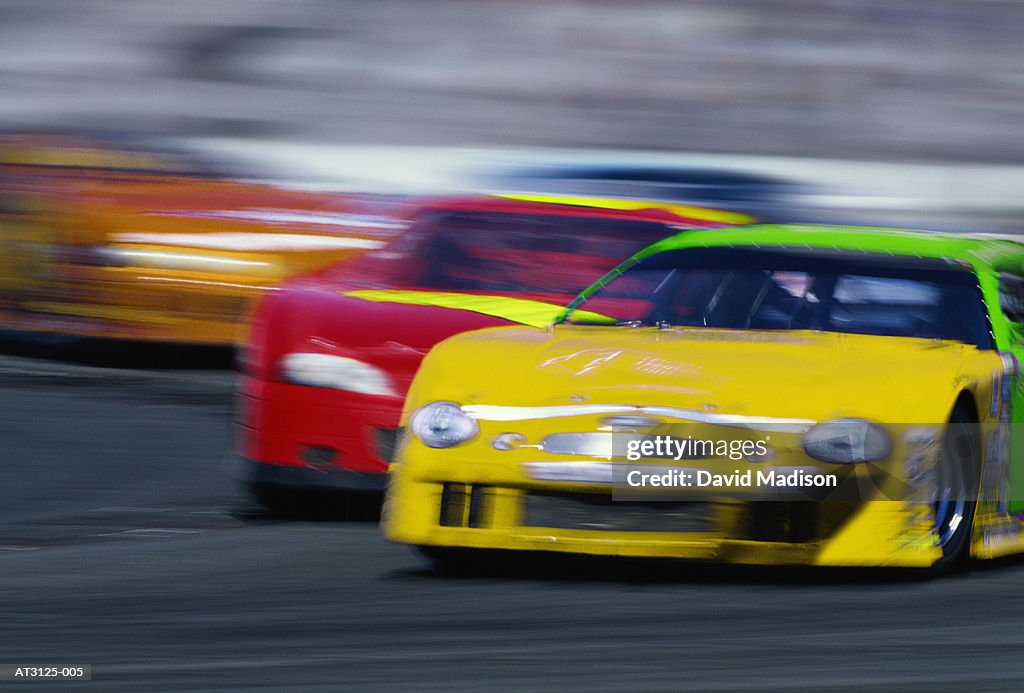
253,473
493,511
314,434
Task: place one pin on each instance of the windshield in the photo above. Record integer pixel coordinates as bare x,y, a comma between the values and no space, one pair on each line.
505,253
833,291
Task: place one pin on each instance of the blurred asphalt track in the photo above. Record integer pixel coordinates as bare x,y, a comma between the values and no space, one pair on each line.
123,546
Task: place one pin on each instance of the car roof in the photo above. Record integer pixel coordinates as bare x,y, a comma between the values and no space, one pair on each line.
974,249
595,207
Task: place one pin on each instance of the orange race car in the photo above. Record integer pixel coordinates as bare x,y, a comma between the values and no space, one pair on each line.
109,238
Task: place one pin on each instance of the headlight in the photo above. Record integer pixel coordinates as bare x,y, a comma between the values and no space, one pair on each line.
847,441
443,424
182,260
336,372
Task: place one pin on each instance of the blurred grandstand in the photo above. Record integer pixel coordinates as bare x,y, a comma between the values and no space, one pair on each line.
862,79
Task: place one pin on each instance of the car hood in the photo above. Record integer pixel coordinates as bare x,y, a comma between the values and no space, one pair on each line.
390,328
795,374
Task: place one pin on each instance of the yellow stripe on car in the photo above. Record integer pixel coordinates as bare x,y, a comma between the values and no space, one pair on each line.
702,213
520,310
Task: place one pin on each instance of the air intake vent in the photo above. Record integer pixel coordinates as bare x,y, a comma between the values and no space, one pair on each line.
599,512
387,441
785,521
463,505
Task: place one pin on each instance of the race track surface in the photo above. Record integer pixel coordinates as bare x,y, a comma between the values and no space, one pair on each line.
124,546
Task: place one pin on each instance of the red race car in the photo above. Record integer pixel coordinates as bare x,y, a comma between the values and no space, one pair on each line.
331,355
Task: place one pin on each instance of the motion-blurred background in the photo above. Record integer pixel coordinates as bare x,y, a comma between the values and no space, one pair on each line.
914,81
909,80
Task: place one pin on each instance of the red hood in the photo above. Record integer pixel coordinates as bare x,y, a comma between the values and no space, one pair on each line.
392,336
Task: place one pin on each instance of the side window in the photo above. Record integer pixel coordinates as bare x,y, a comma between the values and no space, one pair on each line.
1011,297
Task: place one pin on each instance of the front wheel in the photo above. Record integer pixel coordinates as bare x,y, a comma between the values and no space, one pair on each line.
956,489
295,502
452,561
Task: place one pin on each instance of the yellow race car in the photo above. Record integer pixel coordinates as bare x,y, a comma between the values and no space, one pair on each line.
766,395
107,238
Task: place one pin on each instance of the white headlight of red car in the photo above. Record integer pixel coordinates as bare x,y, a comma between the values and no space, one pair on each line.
336,372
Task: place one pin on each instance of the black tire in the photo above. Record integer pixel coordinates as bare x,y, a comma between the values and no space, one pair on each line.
454,561
280,501
301,503
957,489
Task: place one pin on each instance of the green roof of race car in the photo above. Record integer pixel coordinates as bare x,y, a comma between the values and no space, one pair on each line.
985,252
974,249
